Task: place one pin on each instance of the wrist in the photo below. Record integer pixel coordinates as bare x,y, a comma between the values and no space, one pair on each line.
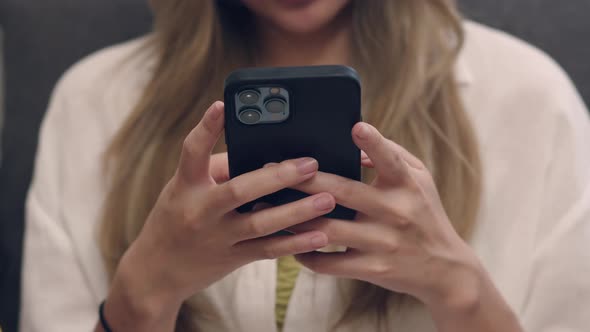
135,303
461,289
474,305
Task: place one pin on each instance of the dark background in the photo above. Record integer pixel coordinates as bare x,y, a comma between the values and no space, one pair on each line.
43,38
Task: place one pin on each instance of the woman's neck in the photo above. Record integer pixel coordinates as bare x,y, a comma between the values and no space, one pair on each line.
331,45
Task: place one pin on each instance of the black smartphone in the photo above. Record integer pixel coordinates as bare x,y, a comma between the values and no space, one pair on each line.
275,114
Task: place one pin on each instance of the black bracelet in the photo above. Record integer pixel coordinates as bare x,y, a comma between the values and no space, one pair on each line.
103,320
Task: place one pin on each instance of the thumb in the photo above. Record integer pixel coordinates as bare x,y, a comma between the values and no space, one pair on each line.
197,146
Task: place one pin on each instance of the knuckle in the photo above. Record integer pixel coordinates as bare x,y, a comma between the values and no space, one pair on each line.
400,168
420,206
270,252
404,206
389,209
232,192
187,215
167,209
390,244
284,173
174,205
404,214
210,198
331,231
190,219
403,223
188,146
397,157
208,126
416,209
421,165
379,269
412,186
344,188
172,192
301,211
256,227
296,211
171,202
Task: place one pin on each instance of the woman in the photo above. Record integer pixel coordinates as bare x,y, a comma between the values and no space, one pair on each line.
476,218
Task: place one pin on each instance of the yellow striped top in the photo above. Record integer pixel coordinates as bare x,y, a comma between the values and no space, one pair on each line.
287,271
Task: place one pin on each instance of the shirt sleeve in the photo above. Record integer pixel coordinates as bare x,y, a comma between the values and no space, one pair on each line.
55,294
558,294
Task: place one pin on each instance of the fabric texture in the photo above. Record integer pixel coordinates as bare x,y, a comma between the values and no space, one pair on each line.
531,234
287,272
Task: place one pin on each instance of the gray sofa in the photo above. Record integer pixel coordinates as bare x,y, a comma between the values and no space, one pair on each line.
43,38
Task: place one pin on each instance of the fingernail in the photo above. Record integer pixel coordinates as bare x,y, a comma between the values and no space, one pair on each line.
323,202
270,165
306,166
319,241
363,131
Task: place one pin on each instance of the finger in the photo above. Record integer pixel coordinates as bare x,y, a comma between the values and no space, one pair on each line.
388,161
362,236
275,247
218,168
366,161
250,186
409,158
364,155
272,220
197,147
352,194
350,264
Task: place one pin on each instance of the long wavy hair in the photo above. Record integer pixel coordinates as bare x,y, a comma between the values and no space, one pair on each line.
404,49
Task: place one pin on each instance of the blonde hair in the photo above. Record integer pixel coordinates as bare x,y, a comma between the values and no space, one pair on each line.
404,49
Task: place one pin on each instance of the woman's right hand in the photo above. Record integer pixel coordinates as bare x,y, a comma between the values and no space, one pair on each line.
193,236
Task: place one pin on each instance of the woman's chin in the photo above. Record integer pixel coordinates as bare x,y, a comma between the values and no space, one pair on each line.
298,17
299,27
302,23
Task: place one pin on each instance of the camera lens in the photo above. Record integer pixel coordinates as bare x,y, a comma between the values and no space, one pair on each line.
249,97
250,116
276,106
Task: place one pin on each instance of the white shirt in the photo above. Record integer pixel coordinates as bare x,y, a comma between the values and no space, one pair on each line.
532,235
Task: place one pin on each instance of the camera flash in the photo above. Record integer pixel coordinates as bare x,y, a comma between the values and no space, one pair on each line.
275,91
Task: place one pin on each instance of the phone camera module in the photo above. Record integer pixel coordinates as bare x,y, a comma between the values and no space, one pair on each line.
276,106
249,97
250,116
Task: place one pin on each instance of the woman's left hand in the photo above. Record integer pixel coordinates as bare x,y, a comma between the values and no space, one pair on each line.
402,239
